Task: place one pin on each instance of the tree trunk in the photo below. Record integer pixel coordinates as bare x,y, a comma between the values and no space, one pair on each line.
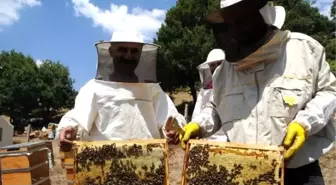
193,91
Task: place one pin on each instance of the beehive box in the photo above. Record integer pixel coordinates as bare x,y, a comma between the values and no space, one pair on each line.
133,162
25,164
214,162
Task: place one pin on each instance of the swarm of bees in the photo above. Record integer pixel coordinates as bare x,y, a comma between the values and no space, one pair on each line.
120,163
209,164
206,163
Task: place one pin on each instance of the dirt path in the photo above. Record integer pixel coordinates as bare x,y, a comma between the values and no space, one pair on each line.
328,165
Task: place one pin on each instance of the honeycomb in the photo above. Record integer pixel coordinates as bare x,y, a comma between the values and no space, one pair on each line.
122,163
208,163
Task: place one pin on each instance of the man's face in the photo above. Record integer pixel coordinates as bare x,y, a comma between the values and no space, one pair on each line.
237,36
125,56
214,65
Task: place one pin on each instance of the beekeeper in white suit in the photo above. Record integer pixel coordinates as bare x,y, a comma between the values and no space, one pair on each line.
206,70
120,103
276,88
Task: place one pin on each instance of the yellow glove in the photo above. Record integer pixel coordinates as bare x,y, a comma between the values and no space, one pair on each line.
294,139
192,129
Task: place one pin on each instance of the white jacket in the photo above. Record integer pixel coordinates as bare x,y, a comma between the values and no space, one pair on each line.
116,111
290,81
203,98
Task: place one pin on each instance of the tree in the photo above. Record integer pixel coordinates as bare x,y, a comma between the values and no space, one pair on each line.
18,85
27,90
185,43
302,17
56,89
333,10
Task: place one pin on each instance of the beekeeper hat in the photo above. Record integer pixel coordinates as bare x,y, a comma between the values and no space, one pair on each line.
214,55
131,36
272,15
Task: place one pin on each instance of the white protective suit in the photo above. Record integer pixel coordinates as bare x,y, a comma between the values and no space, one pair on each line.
260,97
108,110
113,111
206,93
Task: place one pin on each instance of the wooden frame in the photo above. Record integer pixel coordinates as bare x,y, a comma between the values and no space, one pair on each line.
24,164
235,146
68,158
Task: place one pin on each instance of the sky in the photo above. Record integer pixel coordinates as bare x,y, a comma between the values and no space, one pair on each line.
66,30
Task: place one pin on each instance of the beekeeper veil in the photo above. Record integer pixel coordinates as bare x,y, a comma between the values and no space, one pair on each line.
240,26
206,69
126,58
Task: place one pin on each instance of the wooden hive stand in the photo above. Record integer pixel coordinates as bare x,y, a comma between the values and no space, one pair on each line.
214,162
117,162
25,164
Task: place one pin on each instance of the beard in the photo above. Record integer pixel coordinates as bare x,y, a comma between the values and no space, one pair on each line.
125,66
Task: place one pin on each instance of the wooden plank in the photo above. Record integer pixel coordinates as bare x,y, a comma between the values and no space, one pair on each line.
237,145
28,177
137,141
0,134
208,162
28,132
166,164
23,161
22,147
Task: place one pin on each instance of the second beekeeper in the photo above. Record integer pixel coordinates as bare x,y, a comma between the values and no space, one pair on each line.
123,101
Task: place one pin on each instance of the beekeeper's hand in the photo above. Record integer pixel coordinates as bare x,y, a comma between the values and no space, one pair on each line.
67,135
192,129
173,137
294,139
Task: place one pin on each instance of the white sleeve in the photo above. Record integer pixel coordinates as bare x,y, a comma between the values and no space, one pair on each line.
322,107
198,105
164,108
203,98
84,112
208,119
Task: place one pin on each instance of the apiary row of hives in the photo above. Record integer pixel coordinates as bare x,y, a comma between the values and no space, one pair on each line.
145,162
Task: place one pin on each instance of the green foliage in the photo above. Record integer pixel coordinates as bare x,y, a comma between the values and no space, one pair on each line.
302,17
56,90
333,10
332,64
185,44
331,49
29,91
18,84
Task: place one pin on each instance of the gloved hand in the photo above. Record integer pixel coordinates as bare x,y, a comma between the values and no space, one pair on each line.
294,139
192,129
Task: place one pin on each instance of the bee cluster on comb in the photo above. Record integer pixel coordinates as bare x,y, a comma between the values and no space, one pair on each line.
138,162
208,163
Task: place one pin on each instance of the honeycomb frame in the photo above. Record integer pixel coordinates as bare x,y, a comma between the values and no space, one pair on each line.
215,162
117,162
